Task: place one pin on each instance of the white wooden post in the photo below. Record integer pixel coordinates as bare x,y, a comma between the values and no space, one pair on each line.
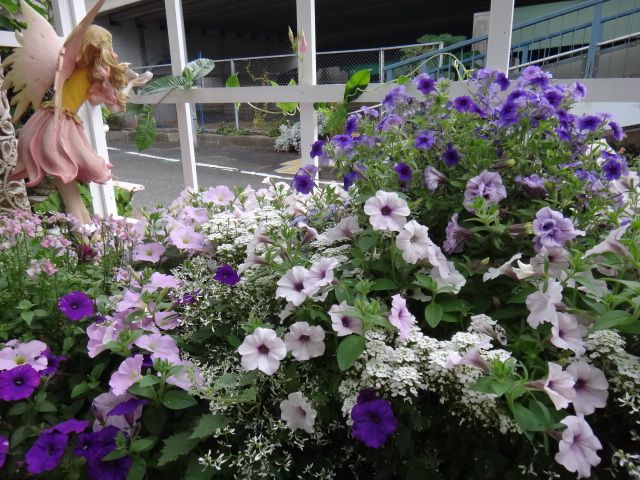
178,51
67,14
499,42
306,19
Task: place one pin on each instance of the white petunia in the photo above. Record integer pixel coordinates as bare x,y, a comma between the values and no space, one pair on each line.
305,341
343,320
542,304
414,242
262,350
294,286
345,229
297,412
387,211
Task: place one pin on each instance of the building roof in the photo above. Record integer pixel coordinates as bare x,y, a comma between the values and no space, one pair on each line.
339,24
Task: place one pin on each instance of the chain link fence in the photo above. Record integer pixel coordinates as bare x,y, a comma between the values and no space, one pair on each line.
332,67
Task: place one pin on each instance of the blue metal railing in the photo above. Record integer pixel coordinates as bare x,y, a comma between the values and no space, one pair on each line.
551,45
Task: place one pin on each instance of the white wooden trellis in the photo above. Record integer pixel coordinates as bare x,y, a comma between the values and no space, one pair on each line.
620,95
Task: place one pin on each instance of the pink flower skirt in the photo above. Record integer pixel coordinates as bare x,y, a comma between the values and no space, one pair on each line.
67,156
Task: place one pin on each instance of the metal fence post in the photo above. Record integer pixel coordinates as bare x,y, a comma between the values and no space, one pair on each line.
596,36
236,106
381,65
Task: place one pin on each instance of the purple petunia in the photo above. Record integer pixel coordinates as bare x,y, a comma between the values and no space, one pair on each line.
95,445
70,426
76,305
342,141
316,148
53,363
551,229
534,76
614,166
616,131
303,183
450,156
18,383
351,125
403,171
425,84
464,104
227,275
487,185
508,114
393,96
533,185
113,470
373,420
127,407
4,449
502,81
47,451
588,122
425,140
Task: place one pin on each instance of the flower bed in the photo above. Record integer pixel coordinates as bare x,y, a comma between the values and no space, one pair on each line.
464,305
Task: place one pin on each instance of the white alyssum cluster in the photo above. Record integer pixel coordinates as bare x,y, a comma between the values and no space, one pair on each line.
422,363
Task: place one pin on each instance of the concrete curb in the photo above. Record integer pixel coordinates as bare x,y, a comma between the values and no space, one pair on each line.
253,141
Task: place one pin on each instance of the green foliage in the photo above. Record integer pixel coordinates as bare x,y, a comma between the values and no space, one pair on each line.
349,351
146,130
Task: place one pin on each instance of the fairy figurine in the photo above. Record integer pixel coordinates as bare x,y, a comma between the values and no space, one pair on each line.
83,68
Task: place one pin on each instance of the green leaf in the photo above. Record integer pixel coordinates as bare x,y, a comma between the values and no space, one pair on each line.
225,381
208,424
248,378
612,319
525,418
138,469
79,389
163,84
199,68
232,82
143,444
335,122
433,314
116,454
484,385
154,419
365,242
145,131
18,409
176,446
27,316
146,392
384,284
178,400
357,84
148,381
248,395
350,350
46,407
195,471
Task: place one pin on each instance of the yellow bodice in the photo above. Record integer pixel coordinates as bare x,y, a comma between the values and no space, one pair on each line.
75,89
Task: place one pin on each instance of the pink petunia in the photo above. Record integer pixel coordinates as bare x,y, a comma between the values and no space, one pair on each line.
345,229
400,317
148,252
294,286
186,238
127,375
220,195
161,347
29,353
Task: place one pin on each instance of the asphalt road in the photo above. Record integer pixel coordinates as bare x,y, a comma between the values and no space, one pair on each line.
160,171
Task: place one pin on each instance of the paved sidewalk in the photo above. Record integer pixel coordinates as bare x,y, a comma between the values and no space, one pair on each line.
160,171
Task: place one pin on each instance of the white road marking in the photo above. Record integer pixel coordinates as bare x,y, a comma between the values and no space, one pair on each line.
207,165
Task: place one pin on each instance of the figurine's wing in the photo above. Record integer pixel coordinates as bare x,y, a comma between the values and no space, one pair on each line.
33,65
70,50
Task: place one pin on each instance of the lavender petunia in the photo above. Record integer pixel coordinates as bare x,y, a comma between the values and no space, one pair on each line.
433,179
487,185
455,236
591,387
533,185
577,449
76,305
552,229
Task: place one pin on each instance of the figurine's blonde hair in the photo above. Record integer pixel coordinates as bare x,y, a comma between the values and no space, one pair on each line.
97,51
